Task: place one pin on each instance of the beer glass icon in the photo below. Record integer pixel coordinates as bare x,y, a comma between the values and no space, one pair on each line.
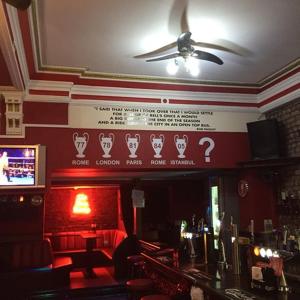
157,144
80,143
181,144
106,143
132,144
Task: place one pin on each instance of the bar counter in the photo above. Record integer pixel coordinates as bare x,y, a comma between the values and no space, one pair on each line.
215,283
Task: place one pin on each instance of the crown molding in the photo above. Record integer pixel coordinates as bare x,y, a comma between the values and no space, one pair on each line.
45,85
279,87
8,48
280,101
18,43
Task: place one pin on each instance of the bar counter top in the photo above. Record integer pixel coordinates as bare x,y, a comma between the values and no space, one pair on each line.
220,284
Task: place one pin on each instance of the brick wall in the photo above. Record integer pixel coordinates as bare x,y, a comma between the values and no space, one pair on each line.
288,117
59,203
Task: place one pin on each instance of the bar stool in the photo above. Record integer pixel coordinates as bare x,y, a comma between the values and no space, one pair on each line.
156,297
135,264
139,287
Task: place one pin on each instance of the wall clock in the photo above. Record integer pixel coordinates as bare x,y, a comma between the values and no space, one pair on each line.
243,187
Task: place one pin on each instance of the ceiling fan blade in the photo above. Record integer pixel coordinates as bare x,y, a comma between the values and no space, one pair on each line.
207,56
168,56
157,51
184,22
178,17
213,46
237,49
19,4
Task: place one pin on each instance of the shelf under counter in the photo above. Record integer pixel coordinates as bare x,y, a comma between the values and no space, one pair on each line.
213,281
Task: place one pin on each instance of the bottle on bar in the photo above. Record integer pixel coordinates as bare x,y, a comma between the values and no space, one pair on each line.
251,229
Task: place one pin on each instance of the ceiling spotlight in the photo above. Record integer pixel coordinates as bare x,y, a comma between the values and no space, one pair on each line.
172,67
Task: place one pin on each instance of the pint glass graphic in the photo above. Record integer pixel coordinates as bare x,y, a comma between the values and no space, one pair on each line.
181,144
132,144
157,144
80,143
106,143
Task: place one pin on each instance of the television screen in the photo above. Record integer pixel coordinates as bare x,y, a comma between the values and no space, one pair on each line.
264,139
20,166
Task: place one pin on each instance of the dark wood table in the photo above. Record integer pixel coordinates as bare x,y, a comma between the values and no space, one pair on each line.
90,241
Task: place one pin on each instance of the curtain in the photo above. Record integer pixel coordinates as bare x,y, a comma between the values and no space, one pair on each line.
127,207
130,245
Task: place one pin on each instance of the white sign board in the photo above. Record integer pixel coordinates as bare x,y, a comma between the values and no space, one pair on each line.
165,119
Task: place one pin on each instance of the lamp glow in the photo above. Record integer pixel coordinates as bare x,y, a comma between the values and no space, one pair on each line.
262,252
192,66
269,253
172,67
81,205
256,251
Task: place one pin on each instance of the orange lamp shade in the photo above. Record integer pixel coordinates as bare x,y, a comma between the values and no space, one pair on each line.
81,205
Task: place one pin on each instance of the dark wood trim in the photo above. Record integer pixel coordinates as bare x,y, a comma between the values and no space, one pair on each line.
270,163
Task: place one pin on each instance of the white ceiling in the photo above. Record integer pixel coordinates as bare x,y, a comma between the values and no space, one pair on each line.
104,36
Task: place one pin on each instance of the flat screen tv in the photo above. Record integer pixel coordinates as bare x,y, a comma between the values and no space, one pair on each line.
22,166
264,139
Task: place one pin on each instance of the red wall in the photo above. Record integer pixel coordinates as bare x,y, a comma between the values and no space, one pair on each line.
229,148
59,203
45,113
2,114
5,79
259,203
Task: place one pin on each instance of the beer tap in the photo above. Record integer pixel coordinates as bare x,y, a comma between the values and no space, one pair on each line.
251,229
222,255
285,236
193,225
235,248
200,225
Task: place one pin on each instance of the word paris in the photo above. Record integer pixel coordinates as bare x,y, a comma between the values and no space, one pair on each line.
134,142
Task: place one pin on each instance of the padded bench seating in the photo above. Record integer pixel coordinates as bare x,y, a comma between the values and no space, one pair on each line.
30,265
71,242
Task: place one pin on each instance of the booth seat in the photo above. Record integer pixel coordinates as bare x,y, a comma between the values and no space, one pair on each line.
30,265
71,242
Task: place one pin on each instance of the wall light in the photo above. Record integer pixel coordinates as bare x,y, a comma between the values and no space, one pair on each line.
264,252
81,205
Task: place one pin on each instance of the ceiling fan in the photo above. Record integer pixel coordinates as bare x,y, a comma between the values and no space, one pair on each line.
186,50
185,44
19,4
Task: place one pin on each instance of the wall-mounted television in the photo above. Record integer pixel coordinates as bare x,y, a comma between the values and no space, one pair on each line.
22,166
264,139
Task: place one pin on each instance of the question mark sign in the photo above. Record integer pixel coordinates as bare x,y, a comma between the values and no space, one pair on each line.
209,148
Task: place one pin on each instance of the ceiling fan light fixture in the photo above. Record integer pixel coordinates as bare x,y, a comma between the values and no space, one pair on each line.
172,67
192,66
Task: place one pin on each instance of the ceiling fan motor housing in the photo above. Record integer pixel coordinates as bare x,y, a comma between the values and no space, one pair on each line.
184,44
